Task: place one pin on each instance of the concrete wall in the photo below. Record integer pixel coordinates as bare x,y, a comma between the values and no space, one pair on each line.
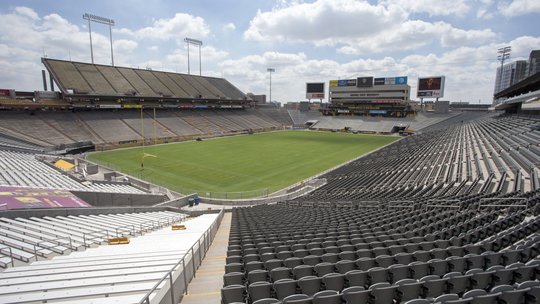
27,213
99,199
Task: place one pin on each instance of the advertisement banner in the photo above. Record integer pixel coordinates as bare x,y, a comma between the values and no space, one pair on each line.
333,83
364,82
401,80
431,87
379,81
24,198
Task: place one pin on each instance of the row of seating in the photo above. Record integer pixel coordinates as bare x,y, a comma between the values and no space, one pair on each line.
450,288
24,169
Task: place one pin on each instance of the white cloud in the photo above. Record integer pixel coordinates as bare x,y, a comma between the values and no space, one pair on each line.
229,27
175,28
323,22
357,27
125,46
437,7
27,12
29,37
519,7
414,34
153,48
469,70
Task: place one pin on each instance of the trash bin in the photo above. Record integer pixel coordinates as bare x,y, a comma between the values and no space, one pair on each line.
191,201
197,200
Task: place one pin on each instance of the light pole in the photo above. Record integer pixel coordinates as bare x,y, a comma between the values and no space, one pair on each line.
504,53
101,20
270,71
197,43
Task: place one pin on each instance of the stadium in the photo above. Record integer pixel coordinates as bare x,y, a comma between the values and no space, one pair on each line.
128,185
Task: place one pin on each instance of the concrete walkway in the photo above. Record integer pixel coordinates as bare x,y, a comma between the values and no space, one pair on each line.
206,286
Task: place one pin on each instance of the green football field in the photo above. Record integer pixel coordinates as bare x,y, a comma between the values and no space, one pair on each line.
269,161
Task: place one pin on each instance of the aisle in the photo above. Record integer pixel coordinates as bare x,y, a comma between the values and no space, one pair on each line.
206,286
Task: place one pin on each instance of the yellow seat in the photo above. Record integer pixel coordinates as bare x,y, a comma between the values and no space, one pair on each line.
118,241
178,227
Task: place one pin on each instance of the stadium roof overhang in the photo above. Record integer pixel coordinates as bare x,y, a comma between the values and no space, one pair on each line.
527,85
527,101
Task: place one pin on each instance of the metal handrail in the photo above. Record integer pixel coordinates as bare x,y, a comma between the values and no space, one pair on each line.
169,274
526,205
95,236
58,244
459,205
10,255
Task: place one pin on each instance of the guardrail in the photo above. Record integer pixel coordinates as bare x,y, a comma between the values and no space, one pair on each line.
206,239
58,244
10,254
522,199
433,203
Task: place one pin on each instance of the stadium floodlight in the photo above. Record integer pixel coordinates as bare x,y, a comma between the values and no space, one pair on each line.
270,71
197,43
101,20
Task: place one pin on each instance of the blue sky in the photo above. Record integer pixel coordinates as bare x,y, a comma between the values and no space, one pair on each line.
304,41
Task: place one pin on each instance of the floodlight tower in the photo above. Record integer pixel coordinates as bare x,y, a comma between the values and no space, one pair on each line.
503,54
270,71
197,43
101,20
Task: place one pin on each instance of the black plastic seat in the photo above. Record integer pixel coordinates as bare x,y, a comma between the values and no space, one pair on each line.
326,297
408,289
377,275
344,266
355,295
292,262
333,281
446,298
233,278
433,286
271,264
233,267
311,260
356,278
258,275
382,293
323,268
309,285
365,263
418,270
302,271
457,282
297,299
284,288
267,301
279,273
233,293
259,290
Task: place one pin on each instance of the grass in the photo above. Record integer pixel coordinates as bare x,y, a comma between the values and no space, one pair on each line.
241,163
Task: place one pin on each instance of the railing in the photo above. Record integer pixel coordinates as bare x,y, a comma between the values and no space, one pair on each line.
94,235
10,254
525,205
58,244
206,238
433,203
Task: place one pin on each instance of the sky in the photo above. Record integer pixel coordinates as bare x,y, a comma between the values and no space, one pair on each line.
304,41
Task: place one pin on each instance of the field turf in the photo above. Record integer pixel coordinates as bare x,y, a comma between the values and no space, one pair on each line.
241,163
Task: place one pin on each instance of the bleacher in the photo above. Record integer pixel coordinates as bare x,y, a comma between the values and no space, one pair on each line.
23,169
380,124
481,156
126,273
451,215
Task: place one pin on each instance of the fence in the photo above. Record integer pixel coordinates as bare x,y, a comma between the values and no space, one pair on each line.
170,287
